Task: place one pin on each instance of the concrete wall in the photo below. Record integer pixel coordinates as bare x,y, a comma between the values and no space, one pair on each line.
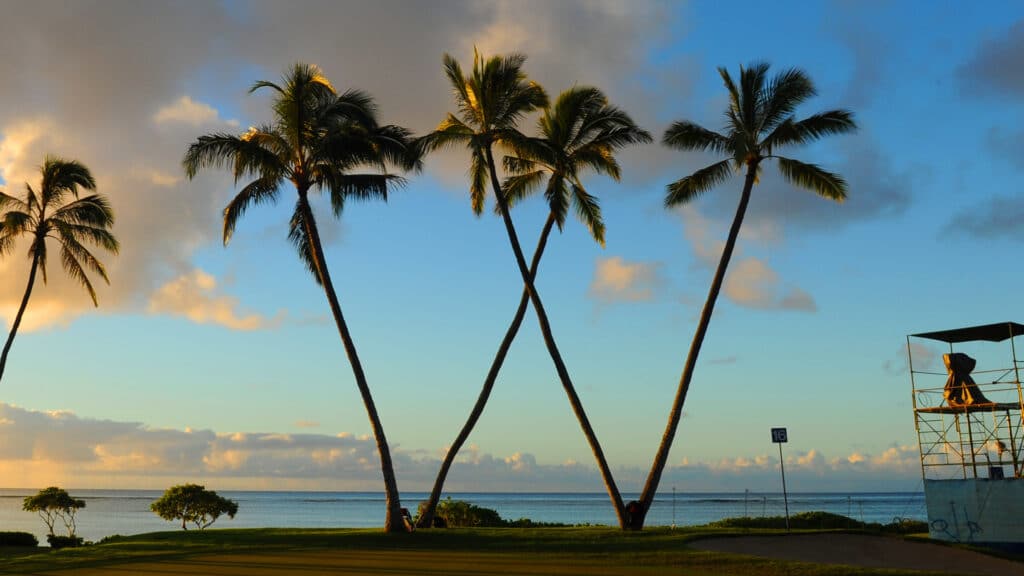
976,510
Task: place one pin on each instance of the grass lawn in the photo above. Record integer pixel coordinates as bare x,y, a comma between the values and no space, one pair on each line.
459,552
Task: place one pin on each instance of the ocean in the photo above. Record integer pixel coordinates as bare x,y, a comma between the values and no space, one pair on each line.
126,512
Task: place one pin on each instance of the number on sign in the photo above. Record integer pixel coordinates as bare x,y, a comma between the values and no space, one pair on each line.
779,435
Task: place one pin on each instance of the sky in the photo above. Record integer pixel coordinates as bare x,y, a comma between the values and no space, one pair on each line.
221,365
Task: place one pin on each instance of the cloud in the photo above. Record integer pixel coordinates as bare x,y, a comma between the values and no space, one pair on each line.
187,111
749,281
307,424
925,358
997,218
165,72
41,448
618,280
995,69
195,296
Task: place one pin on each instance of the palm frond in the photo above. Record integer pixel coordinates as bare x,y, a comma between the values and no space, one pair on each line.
94,234
814,178
245,156
556,193
779,99
518,187
70,244
353,105
478,176
9,202
751,86
790,132
600,159
62,177
450,133
300,239
74,269
686,189
13,225
620,136
259,191
92,210
463,99
588,210
343,187
518,165
688,136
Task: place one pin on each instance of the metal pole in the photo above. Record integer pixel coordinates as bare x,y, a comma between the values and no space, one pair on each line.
785,497
673,507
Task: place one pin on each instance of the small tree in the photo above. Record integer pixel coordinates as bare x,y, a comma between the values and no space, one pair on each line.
193,503
54,503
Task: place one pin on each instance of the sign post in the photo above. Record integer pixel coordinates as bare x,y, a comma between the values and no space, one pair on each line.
779,437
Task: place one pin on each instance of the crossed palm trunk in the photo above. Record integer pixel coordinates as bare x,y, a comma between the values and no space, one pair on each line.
636,520
549,341
393,519
426,518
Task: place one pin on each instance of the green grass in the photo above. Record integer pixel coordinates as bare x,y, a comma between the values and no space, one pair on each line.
482,551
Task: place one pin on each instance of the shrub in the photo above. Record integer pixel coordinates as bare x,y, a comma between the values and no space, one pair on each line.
58,542
461,514
193,503
18,539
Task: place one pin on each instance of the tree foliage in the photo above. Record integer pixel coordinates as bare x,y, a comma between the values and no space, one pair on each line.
193,504
53,504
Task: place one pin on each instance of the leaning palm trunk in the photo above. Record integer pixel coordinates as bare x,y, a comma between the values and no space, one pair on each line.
636,520
18,316
549,341
426,518
393,521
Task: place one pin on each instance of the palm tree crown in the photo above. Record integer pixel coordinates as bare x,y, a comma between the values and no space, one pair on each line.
48,214
582,131
316,139
759,121
491,102
57,212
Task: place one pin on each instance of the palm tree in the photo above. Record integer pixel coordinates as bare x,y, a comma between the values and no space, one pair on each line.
316,139
57,212
491,101
759,122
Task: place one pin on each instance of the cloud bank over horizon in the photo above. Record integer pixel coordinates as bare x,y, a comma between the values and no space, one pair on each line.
58,447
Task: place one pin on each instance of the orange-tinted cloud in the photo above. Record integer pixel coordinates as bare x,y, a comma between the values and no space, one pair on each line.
195,296
618,280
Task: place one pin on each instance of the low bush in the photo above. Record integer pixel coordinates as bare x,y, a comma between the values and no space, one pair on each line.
461,514
58,542
18,539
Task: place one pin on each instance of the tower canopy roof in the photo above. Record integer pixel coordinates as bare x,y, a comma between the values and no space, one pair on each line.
988,332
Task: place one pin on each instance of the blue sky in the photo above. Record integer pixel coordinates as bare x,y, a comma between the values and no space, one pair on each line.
221,365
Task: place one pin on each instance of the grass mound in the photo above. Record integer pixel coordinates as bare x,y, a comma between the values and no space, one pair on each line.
822,521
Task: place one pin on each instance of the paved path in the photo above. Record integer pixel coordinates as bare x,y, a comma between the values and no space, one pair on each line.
864,550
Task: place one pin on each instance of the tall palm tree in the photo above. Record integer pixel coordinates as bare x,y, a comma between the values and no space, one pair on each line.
759,122
491,101
315,141
57,212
